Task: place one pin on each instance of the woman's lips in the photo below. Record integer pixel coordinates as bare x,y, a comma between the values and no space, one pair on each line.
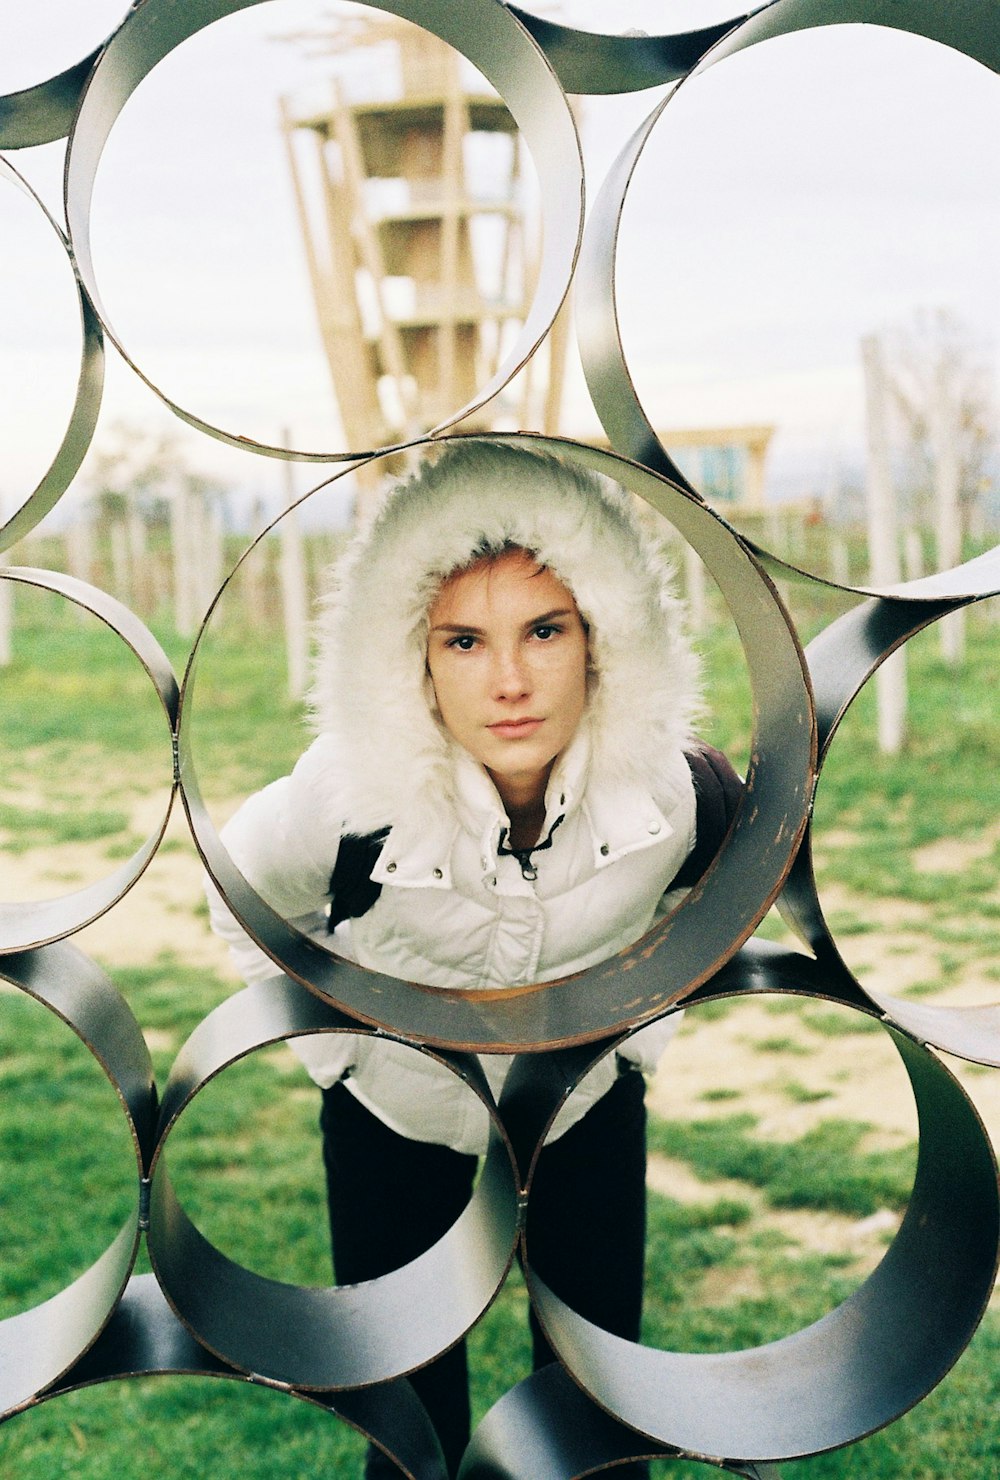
514,729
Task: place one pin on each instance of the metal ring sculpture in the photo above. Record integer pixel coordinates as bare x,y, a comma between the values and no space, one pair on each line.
482,30
607,1402
83,417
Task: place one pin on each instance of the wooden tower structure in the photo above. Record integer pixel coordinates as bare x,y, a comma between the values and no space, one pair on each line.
418,237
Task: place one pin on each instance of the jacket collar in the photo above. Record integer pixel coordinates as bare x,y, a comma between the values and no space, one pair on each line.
618,820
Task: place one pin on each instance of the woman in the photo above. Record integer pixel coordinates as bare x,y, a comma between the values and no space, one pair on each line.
504,695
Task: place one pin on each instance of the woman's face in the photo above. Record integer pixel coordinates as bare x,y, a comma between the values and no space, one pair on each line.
507,654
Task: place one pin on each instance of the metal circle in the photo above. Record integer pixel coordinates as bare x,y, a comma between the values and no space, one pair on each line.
145,1339
864,1363
679,952
43,112
484,31
25,925
842,659
971,31
588,62
83,417
907,605
338,1337
546,1428
38,1346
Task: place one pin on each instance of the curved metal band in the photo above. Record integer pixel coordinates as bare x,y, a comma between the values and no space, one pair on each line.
546,1428
680,951
339,1337
864,1363
842,658
44,112
587,62
485,31
940,592
86,406
970,28
145,1339
23,926
38,1346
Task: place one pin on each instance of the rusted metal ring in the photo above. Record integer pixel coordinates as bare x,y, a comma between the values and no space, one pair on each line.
331,1338
38,1346
588,62
871,1358
679,952
25,925
971,29
86,406
484,31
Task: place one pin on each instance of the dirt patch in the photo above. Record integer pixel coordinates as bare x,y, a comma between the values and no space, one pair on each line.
953,855
860,1240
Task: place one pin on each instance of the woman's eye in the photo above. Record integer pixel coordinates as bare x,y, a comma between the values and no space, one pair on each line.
464,642
546,630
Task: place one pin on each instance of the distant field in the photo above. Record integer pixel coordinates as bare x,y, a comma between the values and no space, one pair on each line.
747,1239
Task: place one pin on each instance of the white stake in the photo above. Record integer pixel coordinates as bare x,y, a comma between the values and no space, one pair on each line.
883,543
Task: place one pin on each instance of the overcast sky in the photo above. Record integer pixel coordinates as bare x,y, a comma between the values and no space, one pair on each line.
796,197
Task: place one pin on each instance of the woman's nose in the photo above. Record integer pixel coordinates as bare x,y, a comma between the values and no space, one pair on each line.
510,675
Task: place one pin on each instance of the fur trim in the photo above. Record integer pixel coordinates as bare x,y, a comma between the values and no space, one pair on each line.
391,755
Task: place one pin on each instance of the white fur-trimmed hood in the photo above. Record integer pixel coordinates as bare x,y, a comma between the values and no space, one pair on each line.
390,756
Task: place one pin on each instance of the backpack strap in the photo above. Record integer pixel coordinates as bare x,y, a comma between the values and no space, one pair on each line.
352,889
718,790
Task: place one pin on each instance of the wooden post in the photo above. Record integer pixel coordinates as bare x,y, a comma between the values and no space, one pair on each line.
913,553
253,581
121,575
947,486
6,616
840,565
140,576
80,545
294,589
185,617
883,543
209,570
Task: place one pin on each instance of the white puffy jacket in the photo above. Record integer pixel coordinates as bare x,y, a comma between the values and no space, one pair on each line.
453,912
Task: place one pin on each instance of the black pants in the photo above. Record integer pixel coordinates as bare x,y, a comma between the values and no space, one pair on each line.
391,1198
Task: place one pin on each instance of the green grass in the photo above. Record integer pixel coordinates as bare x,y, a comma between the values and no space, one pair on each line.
802,1094
76,701
823,1169
69,1168
780,1045
31,828
834,1024
178,1427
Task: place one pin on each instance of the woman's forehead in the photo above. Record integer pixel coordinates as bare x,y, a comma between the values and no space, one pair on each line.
500,582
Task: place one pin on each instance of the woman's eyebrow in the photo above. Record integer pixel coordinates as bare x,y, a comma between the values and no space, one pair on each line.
559,611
